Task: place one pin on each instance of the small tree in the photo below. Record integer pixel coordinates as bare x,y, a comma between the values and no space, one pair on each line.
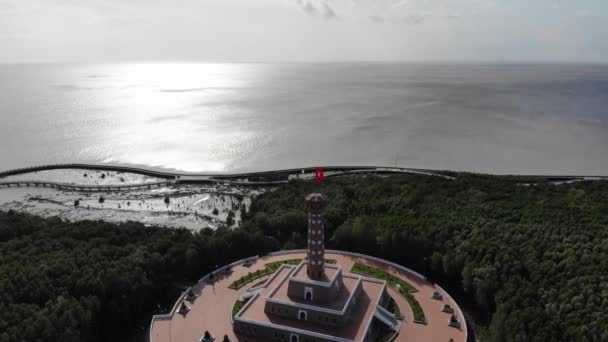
76,203
207,335
101,199
215,211
103,176
226,339
167,200
243,212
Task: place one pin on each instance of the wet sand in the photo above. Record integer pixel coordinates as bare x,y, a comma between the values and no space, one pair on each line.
194,207
84,177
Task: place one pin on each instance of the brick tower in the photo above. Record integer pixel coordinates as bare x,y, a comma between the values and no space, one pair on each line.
316,236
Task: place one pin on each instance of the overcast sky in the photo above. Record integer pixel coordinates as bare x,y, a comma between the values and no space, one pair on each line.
303,30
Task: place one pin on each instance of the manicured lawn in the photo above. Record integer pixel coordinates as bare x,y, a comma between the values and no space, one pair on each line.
258,283
273,266
383,275
394,309
416,308
238,305
405,289
251,276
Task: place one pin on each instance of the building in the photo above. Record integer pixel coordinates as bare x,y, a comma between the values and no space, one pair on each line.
315,301
312,295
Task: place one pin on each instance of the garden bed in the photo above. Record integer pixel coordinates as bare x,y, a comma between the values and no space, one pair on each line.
405,289
268,269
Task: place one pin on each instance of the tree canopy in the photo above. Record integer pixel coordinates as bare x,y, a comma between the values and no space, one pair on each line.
532,259
96,281
528,261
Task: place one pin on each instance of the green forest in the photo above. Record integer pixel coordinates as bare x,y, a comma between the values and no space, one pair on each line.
96,281
526,262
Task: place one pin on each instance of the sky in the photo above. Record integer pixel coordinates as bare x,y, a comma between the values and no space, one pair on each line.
303,30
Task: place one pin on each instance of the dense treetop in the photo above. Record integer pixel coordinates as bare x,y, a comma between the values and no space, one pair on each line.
95,281
530,262
533,259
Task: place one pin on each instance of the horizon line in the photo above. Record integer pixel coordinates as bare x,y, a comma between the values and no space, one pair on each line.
253,62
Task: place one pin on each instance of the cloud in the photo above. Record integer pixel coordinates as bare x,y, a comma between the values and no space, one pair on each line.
400,3
307,6
452,16
414,19
320,8
328,12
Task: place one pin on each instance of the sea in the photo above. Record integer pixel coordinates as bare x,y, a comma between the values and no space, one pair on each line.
212,117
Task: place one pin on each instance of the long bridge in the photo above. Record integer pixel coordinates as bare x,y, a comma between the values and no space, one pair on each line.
86,188
266,178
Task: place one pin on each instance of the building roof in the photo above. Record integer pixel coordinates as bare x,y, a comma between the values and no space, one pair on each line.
212,309
330,272
359,319
349,282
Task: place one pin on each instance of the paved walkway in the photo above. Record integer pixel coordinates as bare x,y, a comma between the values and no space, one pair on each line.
212,309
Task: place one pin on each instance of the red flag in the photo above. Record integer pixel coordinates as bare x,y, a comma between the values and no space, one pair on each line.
320,176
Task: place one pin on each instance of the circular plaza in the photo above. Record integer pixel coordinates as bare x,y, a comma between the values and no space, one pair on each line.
312,295
215,297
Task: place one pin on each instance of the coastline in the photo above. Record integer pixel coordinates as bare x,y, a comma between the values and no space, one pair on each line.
78,192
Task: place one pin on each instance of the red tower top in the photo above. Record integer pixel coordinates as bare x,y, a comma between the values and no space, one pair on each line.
316,236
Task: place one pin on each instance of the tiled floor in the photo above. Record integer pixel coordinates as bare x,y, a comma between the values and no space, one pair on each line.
212,308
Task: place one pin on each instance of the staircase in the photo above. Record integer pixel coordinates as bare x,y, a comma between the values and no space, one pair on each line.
387,318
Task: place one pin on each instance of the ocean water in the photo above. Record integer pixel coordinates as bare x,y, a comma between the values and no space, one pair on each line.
505,119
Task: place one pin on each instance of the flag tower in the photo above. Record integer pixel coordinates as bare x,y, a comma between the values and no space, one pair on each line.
316,236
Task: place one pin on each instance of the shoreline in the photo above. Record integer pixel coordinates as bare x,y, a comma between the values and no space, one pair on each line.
114,196
278,176
175,200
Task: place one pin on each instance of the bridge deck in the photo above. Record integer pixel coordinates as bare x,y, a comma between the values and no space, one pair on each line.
86,188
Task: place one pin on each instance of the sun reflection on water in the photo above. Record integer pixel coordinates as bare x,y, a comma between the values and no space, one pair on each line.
175,115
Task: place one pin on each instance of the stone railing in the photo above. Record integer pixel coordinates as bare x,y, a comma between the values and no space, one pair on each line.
293,251
224,268
183,295
289,251
456,308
